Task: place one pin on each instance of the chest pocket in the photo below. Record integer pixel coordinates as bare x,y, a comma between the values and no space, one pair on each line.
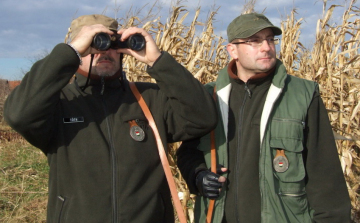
138,126
287,135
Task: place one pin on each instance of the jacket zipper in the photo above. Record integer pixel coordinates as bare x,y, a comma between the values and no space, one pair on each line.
292,195
112,153
262,181
62,199
247,93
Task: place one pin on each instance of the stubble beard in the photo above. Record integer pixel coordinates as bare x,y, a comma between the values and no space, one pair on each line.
104,73
106,70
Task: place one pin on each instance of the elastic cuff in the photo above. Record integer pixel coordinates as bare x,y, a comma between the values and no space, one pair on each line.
162,52
198,170
77,52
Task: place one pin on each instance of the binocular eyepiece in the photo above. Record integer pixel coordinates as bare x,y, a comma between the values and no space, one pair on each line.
104,41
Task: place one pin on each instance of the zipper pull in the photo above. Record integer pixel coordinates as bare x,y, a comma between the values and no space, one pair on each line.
247,90
102,85
303,124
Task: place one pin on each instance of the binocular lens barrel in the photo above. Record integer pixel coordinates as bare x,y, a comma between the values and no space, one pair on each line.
136,42
101,41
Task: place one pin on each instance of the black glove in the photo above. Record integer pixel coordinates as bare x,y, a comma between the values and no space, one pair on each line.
207,183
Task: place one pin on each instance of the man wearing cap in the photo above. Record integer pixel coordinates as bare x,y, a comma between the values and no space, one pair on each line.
103,157
276,156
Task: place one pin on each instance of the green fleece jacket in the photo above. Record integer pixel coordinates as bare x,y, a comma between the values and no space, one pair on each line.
98,171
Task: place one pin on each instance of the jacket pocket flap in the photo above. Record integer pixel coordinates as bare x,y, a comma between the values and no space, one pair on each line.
133,116
291,145
292,148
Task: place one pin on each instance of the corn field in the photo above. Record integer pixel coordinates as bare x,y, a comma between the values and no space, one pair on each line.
333,61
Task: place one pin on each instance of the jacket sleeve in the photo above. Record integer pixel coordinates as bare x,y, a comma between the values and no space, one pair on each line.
190,161
30,108
326,186
190,110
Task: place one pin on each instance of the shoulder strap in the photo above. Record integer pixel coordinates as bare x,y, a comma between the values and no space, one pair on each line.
162,154
213,167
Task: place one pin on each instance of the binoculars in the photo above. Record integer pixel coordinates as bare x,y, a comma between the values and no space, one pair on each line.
104,41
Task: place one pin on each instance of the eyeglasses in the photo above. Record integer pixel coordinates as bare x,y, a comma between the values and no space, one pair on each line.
257,42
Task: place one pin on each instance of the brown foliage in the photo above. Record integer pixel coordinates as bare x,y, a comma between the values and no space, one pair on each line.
4,91
13,84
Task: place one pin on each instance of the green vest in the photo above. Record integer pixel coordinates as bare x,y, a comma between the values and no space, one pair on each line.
283,195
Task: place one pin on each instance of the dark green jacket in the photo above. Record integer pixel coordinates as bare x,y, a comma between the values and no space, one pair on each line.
98,172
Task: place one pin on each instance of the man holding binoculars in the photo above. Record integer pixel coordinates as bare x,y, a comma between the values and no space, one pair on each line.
103,157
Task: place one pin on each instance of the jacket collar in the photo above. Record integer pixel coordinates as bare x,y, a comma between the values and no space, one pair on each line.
223,88
96,86
229,71
232,71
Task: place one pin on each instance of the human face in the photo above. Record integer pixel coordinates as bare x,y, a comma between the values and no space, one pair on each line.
105,64
252,60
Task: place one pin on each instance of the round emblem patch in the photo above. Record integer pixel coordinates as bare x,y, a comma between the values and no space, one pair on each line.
137,133
281,164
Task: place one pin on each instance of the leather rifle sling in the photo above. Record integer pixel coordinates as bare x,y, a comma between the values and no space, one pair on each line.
162,154
213,167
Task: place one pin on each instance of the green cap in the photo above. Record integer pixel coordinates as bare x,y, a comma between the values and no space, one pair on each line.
247,25
87,20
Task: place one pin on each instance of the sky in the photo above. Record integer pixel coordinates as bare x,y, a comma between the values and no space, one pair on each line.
29,29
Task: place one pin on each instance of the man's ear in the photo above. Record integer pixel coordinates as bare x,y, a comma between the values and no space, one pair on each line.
231,48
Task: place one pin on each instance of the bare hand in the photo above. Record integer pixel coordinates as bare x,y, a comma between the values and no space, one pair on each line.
221,178
149,54
84,38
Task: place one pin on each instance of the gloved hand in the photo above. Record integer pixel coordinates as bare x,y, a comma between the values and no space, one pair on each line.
208,184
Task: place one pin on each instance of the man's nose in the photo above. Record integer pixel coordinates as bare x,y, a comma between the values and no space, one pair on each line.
265,46
105,52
